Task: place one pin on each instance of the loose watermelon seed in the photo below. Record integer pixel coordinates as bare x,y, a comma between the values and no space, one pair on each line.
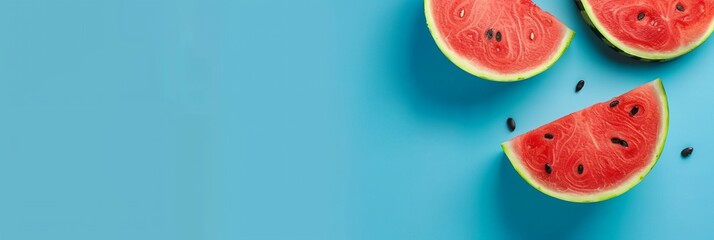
511,124
580,85
634,110
548,169
687,151
498,36
548,136
489,34
580,169
640,16
680,7
614,103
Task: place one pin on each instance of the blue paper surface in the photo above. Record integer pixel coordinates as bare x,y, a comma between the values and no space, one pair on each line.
308,119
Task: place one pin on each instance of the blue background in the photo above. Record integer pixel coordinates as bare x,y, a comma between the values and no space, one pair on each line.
312,119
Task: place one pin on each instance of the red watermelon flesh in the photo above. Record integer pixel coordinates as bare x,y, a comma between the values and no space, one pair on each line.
502,40
593,138
652,29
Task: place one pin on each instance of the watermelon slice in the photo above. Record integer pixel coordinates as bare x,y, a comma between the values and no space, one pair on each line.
596,153
650,30
499,40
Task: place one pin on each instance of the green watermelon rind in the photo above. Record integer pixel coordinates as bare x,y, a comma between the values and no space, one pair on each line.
587,13
488,74
625,186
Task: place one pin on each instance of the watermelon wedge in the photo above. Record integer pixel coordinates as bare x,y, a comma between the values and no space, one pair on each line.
499,40
596,153
650,30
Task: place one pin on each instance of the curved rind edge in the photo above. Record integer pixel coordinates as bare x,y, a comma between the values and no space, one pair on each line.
587,13
464,64
625,186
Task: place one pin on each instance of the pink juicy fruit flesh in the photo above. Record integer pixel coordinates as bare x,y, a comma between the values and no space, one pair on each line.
585,137
663,28
529,35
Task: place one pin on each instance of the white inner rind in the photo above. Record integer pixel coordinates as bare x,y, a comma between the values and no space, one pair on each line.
487,73
653,55
517,162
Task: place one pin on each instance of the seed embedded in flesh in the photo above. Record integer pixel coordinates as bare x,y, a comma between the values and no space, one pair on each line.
489,34
548,169
511,124
580,85
532,35
461,14
580,169
619,141
614,103
634,110
687,151
548,136
498,36
640,16
680,7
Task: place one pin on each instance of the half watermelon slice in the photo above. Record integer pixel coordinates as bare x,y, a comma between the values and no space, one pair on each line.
596,153
499,40
650,30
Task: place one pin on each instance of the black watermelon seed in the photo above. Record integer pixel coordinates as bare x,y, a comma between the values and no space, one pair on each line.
619,141
548,169
548,136
511,124
614,103
640,16
489,33
580,169
680,8
634,110
498,36
580,85
687,151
